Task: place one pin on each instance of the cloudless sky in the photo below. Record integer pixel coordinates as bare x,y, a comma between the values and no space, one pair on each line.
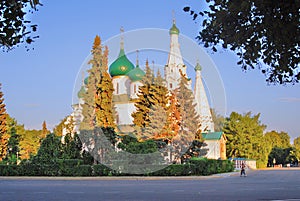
38,84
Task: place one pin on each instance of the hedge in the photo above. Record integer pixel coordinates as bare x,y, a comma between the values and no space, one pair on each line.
72,167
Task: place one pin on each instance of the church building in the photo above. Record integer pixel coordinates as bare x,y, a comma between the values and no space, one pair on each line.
126,79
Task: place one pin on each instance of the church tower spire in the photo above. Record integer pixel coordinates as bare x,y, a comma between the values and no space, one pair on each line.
202,106
175,62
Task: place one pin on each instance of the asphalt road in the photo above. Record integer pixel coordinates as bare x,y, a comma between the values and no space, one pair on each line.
258,185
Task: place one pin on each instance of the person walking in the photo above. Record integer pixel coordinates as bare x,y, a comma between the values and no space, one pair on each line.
243,169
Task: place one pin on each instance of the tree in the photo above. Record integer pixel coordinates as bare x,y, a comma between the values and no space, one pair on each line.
88,108
189,123
189,120
49,151
104,95
172,121
143,103
150,117
284,140
245,138
29,143
282,156
297,147
3,127
98,107
258,31
15,28
13,145
218,120
273,139
279,140
45,131
58,129
72,147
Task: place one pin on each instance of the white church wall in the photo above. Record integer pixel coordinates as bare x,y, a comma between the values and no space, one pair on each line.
213,147
124,111
121,85
134,89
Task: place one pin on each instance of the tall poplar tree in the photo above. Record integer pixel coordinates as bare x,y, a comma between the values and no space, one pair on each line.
3,127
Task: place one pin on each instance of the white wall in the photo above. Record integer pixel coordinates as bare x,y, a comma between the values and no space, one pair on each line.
213,147
134,89
124,111
121,85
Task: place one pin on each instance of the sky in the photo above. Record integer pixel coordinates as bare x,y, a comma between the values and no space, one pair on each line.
38,84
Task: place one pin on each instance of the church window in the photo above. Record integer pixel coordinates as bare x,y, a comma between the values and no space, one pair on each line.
117,88
117,119
171,86
134,88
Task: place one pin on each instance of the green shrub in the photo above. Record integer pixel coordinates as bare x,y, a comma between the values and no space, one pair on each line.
8,170
83,170
175,170
101,170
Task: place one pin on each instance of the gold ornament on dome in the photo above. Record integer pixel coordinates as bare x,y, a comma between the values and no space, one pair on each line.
123,68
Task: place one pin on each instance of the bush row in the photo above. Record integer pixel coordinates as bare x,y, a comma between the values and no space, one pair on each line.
76,168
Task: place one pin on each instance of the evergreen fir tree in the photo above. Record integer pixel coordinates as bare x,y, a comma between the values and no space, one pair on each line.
148,77
97,109
143,102
13,145
88,108
3,127
159,79
104,96
150,116
189,118
173,118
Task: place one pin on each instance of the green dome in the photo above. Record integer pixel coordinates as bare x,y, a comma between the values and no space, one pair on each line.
198,67
81,92
86,80
174,29
121,66
136,74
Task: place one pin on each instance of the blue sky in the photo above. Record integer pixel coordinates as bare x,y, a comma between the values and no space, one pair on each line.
38,84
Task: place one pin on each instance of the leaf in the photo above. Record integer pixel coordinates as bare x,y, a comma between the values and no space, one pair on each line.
186,9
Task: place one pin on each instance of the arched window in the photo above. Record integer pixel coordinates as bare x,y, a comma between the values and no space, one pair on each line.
134,88
171,85
117,88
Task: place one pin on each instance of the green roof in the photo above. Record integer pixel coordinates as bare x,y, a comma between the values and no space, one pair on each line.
136,74
212,136
121,66
174,29
86,80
